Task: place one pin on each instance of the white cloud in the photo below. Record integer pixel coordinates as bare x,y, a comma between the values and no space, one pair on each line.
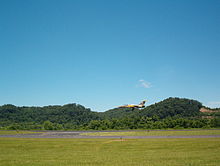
214,104
144,84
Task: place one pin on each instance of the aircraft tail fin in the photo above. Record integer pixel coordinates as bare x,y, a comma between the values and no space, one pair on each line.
143,102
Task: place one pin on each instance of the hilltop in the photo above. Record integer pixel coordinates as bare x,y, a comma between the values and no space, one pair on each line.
169,113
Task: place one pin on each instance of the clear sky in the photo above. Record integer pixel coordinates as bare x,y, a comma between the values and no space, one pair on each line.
105,53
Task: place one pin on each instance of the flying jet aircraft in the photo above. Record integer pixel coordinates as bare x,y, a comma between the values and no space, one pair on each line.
141,105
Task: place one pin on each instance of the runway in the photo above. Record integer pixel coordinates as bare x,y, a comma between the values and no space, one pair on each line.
77,134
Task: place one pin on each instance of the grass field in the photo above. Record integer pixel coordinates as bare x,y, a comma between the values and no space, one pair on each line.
109,152
155,133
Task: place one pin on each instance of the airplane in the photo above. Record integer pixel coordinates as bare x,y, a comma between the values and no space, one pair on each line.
141,105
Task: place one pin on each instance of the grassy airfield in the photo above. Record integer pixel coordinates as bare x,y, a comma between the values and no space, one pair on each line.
110,152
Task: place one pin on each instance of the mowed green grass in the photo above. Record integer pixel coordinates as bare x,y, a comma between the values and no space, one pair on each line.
109,152
156,133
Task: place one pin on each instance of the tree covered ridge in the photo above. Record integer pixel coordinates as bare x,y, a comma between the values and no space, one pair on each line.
172,107
169,113
167,108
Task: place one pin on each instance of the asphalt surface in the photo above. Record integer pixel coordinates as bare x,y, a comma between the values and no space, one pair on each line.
77,134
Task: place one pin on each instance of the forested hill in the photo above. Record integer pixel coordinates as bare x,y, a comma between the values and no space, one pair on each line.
74,116
172,107
167,108
69,115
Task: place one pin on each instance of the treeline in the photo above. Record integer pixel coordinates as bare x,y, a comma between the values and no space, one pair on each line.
170,113
152,123
121,124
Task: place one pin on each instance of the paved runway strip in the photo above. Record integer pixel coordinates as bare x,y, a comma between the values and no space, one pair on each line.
77,134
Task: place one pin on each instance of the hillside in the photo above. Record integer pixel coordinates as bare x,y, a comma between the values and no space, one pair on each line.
167,108
210,113
169,113
69,115
173,107
209,110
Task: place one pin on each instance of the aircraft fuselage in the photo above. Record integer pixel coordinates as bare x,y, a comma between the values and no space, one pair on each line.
141,105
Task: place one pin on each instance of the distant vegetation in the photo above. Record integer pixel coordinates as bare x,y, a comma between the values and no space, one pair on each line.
69,116
169,113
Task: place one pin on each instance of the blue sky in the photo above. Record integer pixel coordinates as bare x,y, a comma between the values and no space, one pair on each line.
105,53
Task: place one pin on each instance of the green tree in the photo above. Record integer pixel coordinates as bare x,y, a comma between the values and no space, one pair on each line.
47,125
